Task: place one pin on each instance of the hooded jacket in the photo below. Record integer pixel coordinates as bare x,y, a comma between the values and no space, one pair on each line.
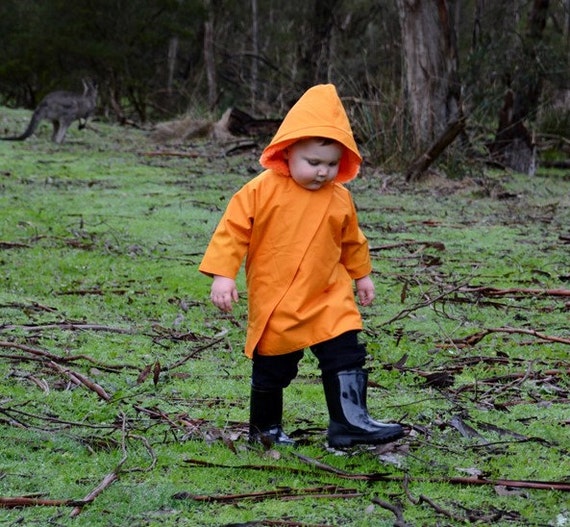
302,248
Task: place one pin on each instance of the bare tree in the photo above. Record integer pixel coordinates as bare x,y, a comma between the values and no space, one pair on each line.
431,80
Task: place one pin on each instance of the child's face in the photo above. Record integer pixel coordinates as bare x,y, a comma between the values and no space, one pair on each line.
313,164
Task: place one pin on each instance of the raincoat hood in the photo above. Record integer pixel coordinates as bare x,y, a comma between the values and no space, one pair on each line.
318,113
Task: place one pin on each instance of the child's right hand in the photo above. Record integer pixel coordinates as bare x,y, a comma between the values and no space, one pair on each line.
223,292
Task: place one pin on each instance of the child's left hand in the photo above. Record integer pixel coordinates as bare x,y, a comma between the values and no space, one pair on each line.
365,290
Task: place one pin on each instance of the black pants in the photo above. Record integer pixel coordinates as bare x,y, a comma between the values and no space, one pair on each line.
270,372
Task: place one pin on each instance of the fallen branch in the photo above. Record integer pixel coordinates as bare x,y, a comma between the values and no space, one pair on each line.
30,350
494,291
436,245
423,162
11,245
13,413
107,481
327,491
263,468
21,501
67,326
430,301
342,473
17,502
544,485
57,358
78,378
192,354
294,470
395,509
475,338
109,478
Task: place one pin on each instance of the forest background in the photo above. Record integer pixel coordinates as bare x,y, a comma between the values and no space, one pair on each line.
495,75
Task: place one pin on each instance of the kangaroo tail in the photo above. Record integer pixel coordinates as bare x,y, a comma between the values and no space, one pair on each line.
36,118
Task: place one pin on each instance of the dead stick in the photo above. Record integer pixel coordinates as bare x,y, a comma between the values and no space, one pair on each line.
547,485
107,481
422,163
396,510
493,291
192,354
429,302
81,379
109,478
338,472
424,499
477,337
285,493
68,326
436,245
22,501
57,358
28,349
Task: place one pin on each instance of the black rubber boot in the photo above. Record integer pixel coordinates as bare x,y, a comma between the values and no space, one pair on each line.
266,411
350,424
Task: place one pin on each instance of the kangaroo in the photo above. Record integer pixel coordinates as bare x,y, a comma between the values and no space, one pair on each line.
62,108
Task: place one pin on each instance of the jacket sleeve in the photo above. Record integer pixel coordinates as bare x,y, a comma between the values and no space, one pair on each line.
230,241
355,255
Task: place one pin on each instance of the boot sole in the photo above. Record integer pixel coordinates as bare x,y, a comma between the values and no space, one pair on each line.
346,441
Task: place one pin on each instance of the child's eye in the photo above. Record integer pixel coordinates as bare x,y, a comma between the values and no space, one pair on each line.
313,162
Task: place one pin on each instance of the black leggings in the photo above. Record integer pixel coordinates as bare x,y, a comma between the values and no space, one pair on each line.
339,353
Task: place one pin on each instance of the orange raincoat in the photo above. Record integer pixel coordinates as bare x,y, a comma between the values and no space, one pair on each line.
302,247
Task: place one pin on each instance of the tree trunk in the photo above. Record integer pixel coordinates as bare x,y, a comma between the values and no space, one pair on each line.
209,54
430,67
172,53
255,52
513,146
317,55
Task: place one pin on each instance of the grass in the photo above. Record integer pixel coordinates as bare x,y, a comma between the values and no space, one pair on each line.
100,239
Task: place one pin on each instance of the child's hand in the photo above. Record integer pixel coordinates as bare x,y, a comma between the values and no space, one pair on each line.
223,291
365,290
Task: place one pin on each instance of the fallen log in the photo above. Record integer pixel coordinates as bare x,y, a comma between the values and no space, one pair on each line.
423,162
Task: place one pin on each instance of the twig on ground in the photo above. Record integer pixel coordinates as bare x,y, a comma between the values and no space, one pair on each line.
405,312
59,359
494,291
327,491
408,243
395,509
81,379
475,338
109,479
193,354
67,326
17,502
